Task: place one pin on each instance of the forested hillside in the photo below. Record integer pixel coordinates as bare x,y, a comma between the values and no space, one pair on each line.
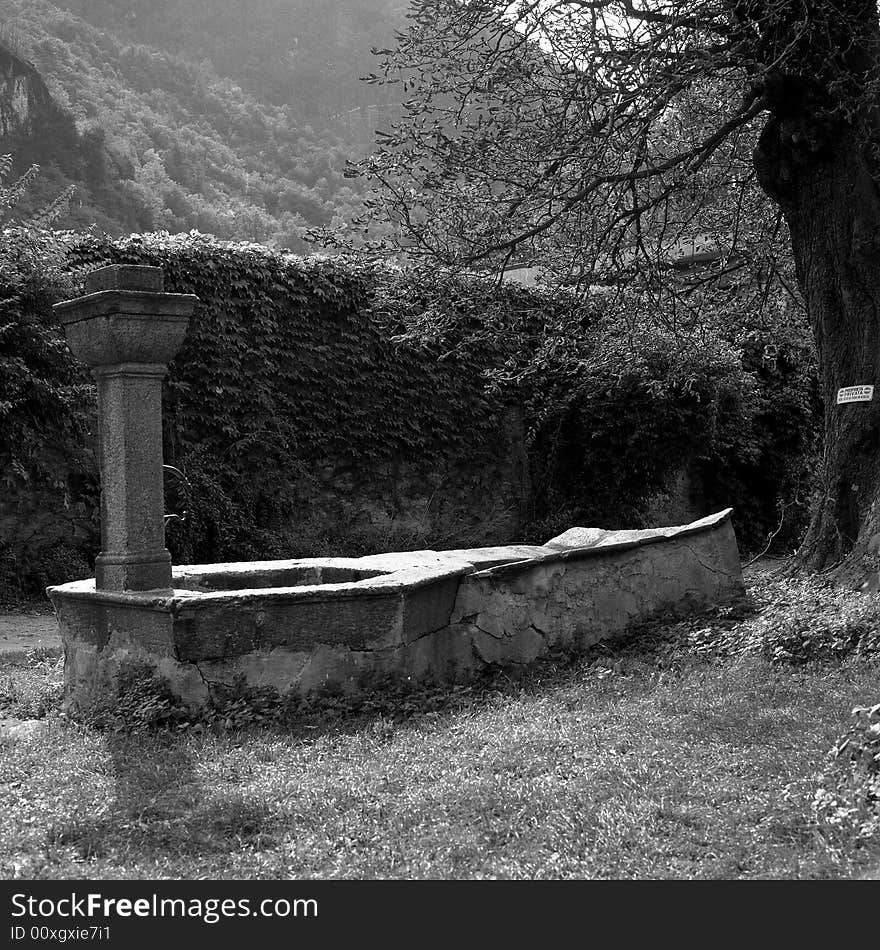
234,119
306,54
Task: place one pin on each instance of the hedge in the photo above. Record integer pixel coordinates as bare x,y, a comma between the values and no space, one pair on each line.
291,360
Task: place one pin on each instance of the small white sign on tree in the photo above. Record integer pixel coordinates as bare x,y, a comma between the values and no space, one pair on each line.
855,394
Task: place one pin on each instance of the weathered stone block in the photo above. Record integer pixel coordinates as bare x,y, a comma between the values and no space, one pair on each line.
126,277
114,327
428,608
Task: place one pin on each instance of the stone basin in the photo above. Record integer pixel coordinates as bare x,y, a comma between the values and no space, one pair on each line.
267,574
312,624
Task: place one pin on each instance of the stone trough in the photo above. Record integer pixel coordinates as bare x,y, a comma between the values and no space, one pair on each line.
341,623
313,624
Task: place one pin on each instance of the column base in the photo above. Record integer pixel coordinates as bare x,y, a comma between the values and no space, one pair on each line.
151,571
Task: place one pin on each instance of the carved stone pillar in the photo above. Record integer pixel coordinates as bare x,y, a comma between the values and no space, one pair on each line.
128,330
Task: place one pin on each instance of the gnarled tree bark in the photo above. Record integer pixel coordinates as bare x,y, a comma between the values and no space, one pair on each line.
821,167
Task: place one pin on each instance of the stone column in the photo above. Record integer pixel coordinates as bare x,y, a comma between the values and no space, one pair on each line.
128,331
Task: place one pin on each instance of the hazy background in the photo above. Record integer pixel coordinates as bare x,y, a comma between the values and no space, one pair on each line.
232,118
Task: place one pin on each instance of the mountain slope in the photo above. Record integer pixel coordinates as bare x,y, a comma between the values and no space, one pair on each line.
172,144
306,54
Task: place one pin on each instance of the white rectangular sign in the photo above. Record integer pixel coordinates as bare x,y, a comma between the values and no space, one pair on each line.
855,394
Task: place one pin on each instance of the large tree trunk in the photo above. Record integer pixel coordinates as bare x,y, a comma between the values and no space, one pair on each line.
824,182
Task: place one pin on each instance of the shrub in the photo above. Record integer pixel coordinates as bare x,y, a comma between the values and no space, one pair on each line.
619,400
617,415
848,799
48,484
290,363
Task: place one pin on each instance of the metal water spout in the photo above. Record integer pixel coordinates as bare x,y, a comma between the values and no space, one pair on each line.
187,494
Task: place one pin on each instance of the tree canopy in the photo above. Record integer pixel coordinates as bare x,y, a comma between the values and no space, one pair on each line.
588,128
597,136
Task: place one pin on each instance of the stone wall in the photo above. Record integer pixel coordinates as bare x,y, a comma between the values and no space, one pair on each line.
680,501
479,502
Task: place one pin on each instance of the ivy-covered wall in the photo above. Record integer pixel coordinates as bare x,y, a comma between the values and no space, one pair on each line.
328,407
304,426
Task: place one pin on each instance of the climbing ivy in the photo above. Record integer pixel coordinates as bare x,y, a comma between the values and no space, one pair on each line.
48,483
293,363
290,361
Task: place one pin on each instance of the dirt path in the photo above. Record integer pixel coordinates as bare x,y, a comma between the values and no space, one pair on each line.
28,630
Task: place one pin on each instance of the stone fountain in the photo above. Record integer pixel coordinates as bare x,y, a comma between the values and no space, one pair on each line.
312,624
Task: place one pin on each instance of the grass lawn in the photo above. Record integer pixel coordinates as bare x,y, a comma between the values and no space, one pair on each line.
694,750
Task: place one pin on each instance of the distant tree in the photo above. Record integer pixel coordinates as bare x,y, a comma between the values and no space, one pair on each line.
596,130
12,192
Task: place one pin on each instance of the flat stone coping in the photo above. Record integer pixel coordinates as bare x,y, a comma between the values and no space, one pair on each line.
131,303
611,541
385,574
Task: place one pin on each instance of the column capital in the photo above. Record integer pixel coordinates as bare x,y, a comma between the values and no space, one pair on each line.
123,318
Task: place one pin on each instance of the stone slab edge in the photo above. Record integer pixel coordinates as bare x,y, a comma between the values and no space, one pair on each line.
436,566
703,526
132,303
181,600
